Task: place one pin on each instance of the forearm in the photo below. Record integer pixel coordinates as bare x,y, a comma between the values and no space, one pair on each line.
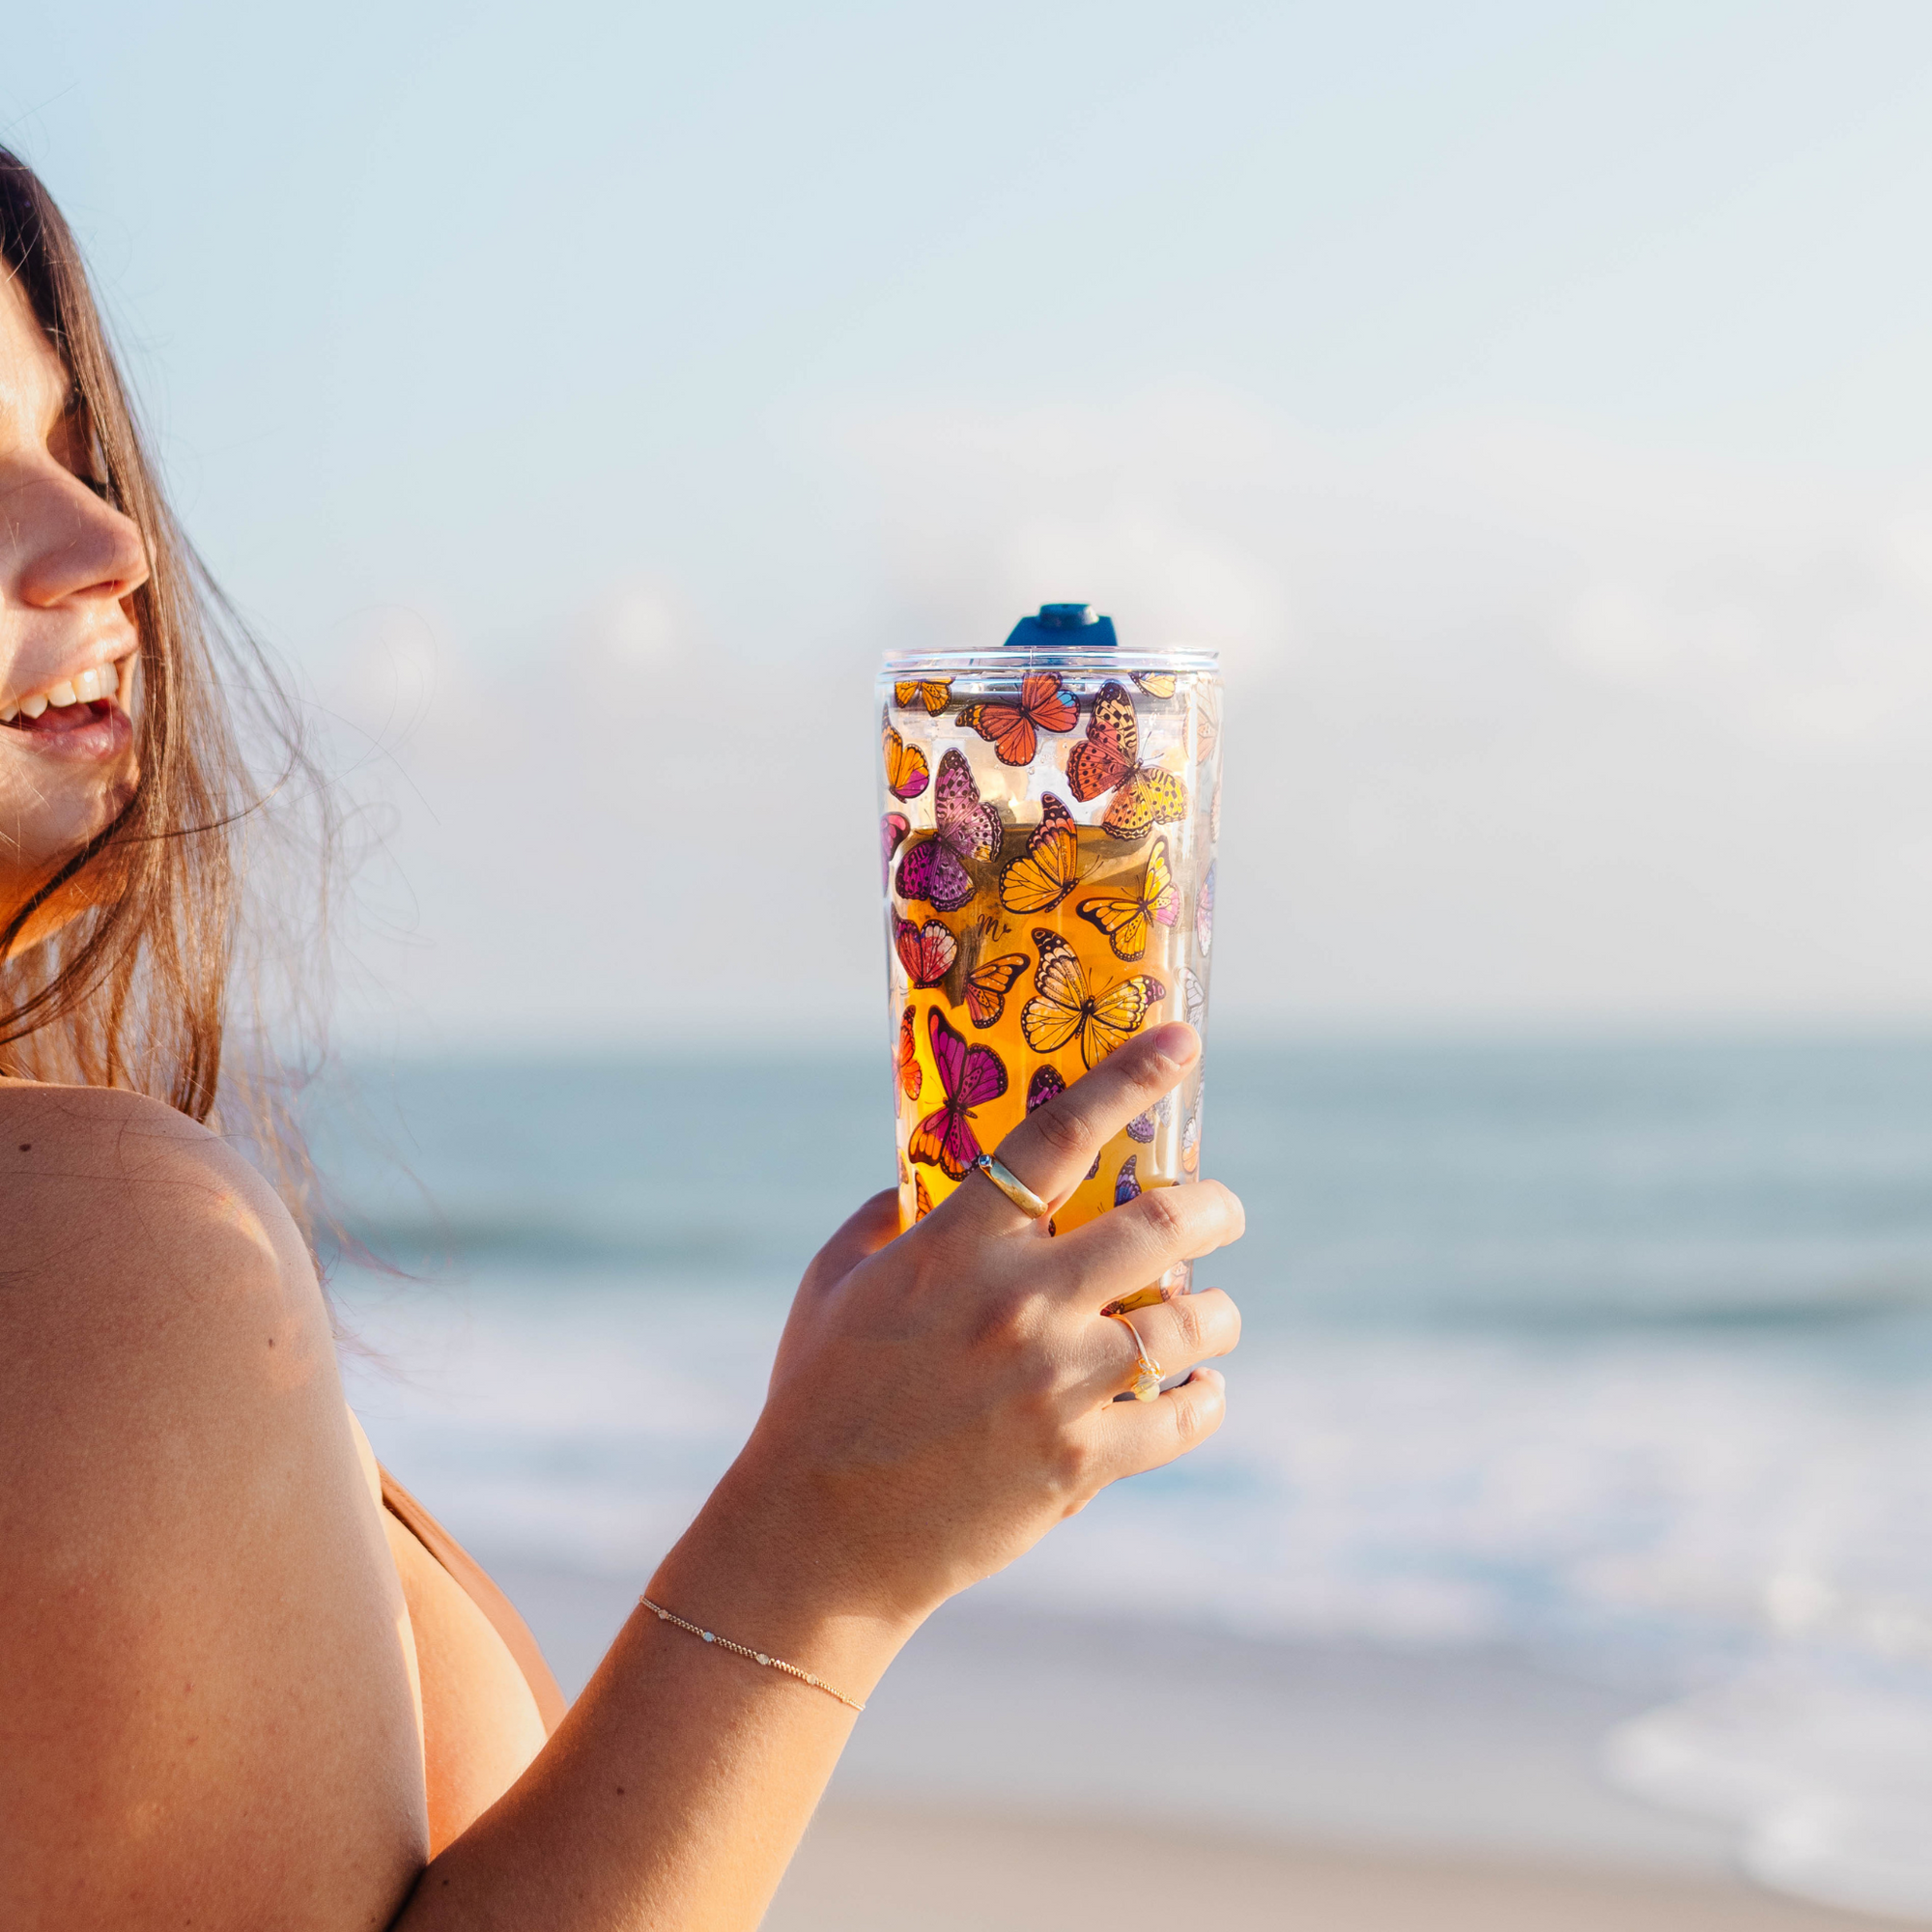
680,1784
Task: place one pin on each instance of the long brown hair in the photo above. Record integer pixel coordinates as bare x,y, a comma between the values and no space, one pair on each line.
139,988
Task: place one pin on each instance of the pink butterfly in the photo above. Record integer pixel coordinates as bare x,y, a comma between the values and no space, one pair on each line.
892,829
927,952
967,828
1204,912
969,1076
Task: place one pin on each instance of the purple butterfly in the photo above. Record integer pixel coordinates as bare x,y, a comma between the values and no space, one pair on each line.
1142,1127
934,870
1044,1086
1127,1188
969,1076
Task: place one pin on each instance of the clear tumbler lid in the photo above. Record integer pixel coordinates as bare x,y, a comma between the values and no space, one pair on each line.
1067,636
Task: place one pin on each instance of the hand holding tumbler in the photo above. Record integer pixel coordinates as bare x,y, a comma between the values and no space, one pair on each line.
1050,814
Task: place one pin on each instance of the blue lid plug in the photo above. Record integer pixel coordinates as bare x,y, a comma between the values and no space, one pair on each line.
1059,625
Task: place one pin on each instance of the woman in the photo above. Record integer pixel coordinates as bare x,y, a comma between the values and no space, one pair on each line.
248,1684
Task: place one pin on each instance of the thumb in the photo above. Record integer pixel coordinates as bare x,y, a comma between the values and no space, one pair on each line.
865,1233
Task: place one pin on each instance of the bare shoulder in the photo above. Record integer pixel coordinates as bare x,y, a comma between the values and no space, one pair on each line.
207,1699
112,1189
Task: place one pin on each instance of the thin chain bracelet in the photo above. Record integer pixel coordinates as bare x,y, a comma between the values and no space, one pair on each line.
664,1616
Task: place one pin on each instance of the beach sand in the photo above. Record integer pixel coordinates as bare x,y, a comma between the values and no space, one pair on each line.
880,1868
1338,1787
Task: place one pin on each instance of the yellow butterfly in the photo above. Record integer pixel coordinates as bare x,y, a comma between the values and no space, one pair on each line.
1127,922
1066,1009
1048,870
930,692
1109,760
1155,683
907,774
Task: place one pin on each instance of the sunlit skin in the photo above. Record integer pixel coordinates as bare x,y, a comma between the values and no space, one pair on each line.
237,1693
68,565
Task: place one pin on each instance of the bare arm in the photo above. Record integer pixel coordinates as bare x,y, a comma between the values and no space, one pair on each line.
940,1400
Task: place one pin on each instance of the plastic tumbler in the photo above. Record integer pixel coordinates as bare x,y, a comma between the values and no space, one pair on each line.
1050,810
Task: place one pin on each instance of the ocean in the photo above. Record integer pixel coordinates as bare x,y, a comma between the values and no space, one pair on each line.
1614,1355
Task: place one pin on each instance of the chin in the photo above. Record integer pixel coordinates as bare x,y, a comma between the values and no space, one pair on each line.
43,848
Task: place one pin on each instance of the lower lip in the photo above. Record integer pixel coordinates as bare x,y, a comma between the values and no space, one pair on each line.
106,732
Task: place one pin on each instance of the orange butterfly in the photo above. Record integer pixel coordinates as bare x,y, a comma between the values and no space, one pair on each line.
987,986
1012,725
1048,870
922,1201
912,1076
1127,922
1065,1009
1109,760
907,774
930,692
1190,1140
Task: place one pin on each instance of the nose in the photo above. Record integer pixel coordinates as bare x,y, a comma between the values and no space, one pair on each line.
71,547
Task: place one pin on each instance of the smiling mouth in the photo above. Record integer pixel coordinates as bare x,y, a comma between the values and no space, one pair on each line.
83,692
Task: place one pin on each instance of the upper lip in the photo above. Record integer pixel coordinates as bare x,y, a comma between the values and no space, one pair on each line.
67,675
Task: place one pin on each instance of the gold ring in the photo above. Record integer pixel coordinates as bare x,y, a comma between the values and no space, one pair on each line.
1147,1372
1011,1186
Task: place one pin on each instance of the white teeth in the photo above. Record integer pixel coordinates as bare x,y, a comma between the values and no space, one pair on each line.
85,686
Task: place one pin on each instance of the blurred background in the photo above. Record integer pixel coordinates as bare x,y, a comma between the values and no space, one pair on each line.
1531,403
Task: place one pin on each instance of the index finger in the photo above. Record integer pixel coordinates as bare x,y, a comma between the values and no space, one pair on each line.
1051,1148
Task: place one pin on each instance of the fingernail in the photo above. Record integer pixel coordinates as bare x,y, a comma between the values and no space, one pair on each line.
1177,1040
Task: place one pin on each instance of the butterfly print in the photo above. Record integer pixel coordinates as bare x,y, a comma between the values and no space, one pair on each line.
1155,683
1143,1126
1012,725
1204,912
1195,995
1214,813
1128,923
892,829
904,1177
1207,733
927,952
1127,1184
922,1201
907,773
934,868
1190,1141
1109,760
988,984
969,1076
1049,867
912,1077
930,692
1065,1008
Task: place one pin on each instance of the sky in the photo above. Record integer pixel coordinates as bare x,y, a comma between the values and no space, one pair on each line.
1531,403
